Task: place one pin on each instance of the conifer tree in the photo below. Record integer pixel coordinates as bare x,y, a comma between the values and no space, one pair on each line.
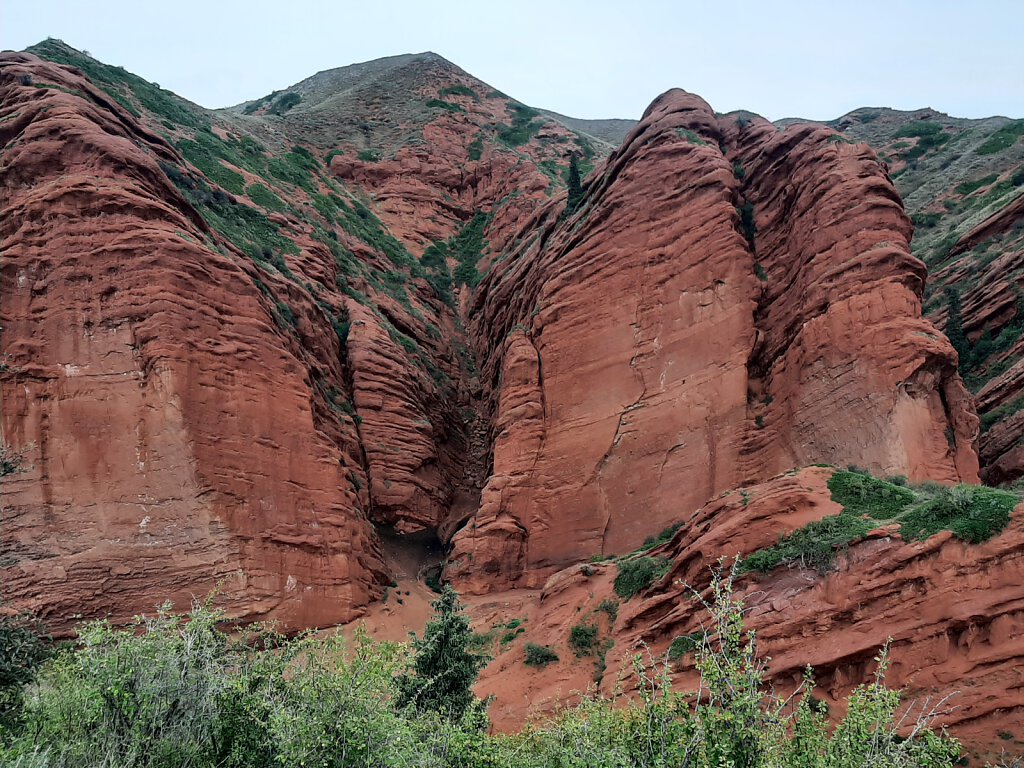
955,328
575,185
443,668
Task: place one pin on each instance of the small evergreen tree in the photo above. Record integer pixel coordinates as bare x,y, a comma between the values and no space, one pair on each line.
443,668
575,185
955,328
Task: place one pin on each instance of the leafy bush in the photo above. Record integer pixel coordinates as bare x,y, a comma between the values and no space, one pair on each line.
861,494
990,419
435,264
683,645
813,546
207,158
583,639
295,167
539,655
476,148
467,246
255,105
736,721
926,220
639,573
360,222
973,513
10,459
691,136
182,692
247,228
22,650
919,129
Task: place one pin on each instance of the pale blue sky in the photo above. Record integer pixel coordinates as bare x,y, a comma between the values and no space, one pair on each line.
586,59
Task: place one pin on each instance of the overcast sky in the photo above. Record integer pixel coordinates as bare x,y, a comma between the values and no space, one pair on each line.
586,59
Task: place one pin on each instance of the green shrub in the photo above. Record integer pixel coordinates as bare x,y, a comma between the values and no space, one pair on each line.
861,494
460,90
993,417
973,513
11,460
663,537
264,198
212,166
467,246
918,129
295,167
813,546
285,102
691,136
192,692
255,105
683,645
747,224
539,655
968,187
511,635
523,127
247,228
639,573
445,105
609,607
583,639
23,649
1003,139
368,155
130,91
926,220
736,722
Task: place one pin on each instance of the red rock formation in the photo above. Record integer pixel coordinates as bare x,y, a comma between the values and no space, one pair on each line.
667,372
954,613
728,302
172,439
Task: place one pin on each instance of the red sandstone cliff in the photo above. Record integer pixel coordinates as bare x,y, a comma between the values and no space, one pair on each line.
285,394
646,353
172,442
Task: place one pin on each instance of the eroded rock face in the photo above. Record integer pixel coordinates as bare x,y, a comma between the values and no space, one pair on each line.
953,612
728,302
172,443
716,312
961,181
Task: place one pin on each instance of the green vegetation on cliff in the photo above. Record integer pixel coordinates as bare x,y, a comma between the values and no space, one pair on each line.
972,513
